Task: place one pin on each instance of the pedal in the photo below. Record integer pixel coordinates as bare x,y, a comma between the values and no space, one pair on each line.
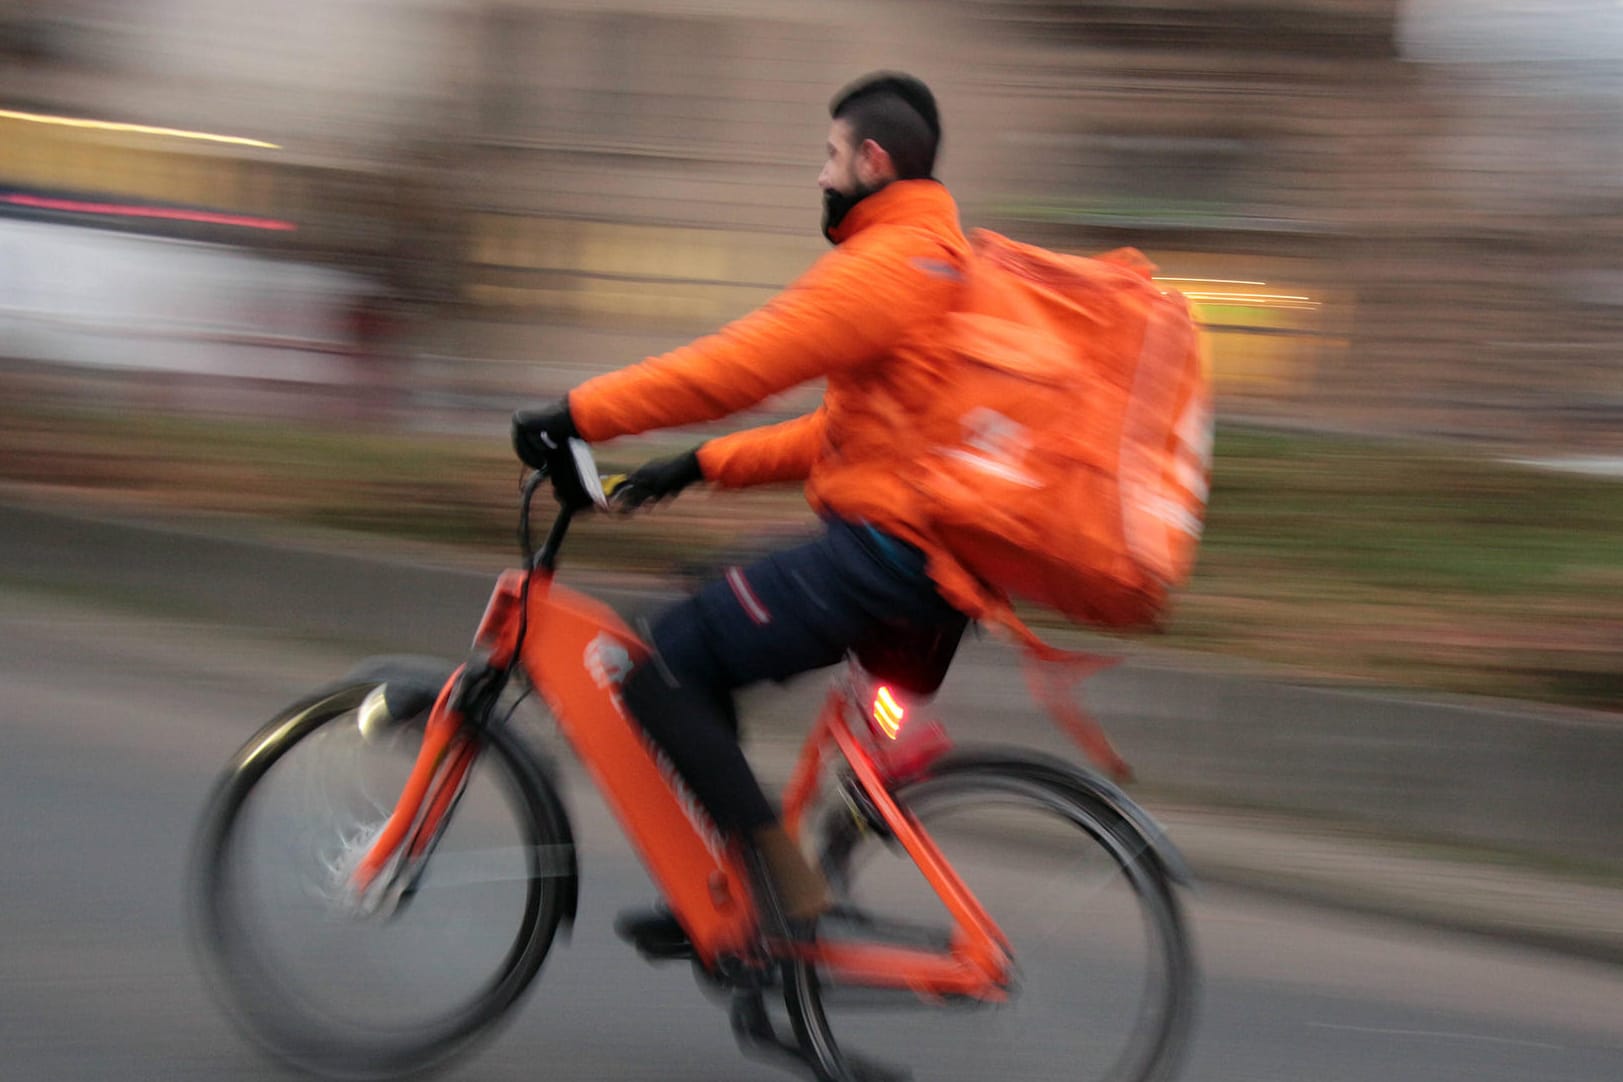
656,935
665,952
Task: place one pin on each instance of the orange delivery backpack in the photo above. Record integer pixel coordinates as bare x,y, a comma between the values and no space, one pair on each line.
1070,453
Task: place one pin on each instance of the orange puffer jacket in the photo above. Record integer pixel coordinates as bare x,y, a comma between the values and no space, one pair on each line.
868,316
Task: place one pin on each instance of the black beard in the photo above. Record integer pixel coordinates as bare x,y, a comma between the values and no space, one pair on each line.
837,204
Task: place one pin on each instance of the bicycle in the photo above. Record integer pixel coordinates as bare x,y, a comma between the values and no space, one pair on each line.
379,793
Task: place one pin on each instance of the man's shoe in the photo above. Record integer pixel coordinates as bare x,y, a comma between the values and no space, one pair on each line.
656,933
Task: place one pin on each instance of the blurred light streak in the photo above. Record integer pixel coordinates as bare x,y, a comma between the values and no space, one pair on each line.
74,206
1267,299
138,129
1210,281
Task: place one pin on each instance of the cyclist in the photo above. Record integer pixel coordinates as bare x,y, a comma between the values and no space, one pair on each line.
868,317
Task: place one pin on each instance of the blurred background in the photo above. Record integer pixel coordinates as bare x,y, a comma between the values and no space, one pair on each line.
1404,215
332,221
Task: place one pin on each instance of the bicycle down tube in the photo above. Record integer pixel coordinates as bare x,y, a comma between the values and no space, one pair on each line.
576,652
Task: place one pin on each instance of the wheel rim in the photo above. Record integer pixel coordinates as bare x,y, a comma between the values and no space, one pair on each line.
355,995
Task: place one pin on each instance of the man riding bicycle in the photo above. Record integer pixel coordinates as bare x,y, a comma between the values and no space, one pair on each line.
869,318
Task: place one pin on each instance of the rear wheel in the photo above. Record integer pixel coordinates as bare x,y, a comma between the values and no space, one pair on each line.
320,983
1104,980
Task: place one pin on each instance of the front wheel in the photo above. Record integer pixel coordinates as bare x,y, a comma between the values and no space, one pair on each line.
348,994
1104,976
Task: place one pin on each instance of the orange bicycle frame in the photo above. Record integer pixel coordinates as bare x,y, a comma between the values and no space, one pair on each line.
977,963
575,651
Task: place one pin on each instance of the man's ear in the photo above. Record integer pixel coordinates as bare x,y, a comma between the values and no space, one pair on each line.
874,166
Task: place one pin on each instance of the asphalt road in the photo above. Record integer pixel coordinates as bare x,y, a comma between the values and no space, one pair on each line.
113,726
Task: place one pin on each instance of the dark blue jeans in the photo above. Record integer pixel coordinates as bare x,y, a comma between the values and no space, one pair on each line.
852,589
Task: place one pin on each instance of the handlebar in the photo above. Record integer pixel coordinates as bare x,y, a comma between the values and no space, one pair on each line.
577,459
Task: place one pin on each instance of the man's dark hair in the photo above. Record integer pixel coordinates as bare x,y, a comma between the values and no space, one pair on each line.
896,111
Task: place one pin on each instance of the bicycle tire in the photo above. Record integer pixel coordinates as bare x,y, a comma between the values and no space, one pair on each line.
268,1004
1077,804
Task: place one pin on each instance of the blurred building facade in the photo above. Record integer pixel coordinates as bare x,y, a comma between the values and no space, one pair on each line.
1377,238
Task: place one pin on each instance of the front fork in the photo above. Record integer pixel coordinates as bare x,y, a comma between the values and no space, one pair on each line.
388,873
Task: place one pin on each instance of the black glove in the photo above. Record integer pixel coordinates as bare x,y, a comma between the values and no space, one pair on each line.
541,439
656,480
541,433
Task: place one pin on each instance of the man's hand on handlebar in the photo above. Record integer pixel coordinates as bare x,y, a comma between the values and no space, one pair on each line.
545,439
541,433
658,480
541,441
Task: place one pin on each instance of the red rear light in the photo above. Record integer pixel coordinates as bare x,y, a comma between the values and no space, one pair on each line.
888,714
